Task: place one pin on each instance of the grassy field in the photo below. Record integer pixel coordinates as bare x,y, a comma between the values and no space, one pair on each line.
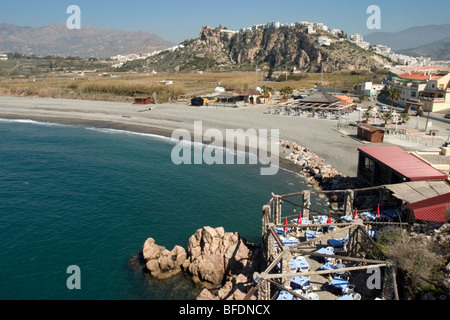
126,86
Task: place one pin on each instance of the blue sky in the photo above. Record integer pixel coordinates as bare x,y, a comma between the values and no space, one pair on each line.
177,20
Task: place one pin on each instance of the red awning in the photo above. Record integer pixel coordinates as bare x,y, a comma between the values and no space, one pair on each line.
432,209
403,162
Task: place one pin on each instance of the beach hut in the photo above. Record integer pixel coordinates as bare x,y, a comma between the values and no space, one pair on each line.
370,133
142,100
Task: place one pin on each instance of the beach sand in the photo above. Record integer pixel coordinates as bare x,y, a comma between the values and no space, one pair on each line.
320,136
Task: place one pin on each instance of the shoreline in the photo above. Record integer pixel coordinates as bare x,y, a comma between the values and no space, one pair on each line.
158,132
162,120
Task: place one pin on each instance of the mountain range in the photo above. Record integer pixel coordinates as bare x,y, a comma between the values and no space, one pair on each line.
57,39
438,50
414,41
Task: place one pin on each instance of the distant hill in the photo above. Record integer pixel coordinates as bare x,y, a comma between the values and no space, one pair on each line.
284,48
57,39
411,37
438,50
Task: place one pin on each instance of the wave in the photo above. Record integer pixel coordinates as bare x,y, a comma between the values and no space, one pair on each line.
118,131
171,140
243,155
28,121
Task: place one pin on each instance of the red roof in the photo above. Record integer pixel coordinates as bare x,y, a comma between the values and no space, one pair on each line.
404,163
432,209
416,76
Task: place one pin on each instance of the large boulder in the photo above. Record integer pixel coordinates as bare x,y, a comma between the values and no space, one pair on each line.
160,262
214,253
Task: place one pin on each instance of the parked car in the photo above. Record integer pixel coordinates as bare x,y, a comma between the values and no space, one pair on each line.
384,109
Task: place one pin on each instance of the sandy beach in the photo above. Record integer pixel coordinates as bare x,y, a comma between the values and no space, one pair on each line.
320,136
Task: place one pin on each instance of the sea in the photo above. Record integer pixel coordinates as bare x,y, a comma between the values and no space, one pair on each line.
78,202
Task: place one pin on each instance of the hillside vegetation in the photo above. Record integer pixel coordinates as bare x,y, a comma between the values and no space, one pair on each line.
281,49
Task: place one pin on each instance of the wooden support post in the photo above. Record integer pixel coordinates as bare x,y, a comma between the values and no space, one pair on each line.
271,249
390,290
264,290
306,204
277,210
348,202
286,266
265,232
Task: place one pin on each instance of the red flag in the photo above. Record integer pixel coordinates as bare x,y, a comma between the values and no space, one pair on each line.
329,218
285,223
355,216
299,219
378,211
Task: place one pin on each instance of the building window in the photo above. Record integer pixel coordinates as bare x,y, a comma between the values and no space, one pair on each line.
368,164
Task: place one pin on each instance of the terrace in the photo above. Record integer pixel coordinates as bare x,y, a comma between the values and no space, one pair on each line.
325,257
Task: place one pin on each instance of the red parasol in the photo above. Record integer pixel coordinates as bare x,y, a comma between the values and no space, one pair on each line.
378,211
285,223
329,218
299,219
355,216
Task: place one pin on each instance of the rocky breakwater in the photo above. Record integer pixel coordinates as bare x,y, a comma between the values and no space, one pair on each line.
319,174
221,263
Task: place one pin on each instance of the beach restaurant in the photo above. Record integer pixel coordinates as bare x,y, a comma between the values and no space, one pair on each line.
320,101
379,165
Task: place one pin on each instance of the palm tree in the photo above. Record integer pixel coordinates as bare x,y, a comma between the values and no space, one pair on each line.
387,116
286,91
393,94
404,117
362,97
266,91
367,114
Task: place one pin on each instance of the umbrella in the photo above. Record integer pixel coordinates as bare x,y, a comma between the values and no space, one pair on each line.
355,216
378,212
299,219
329,218
285,223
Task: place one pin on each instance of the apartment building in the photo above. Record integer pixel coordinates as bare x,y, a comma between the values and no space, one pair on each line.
429,85
435,96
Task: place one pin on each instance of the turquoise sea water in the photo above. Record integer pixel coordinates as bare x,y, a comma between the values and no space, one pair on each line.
76,195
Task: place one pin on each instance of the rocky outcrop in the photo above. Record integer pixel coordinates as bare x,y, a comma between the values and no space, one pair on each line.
213,254
160,262
222,263
218,49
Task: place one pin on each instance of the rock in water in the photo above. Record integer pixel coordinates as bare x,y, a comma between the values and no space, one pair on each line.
160,262
214,253
214,259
